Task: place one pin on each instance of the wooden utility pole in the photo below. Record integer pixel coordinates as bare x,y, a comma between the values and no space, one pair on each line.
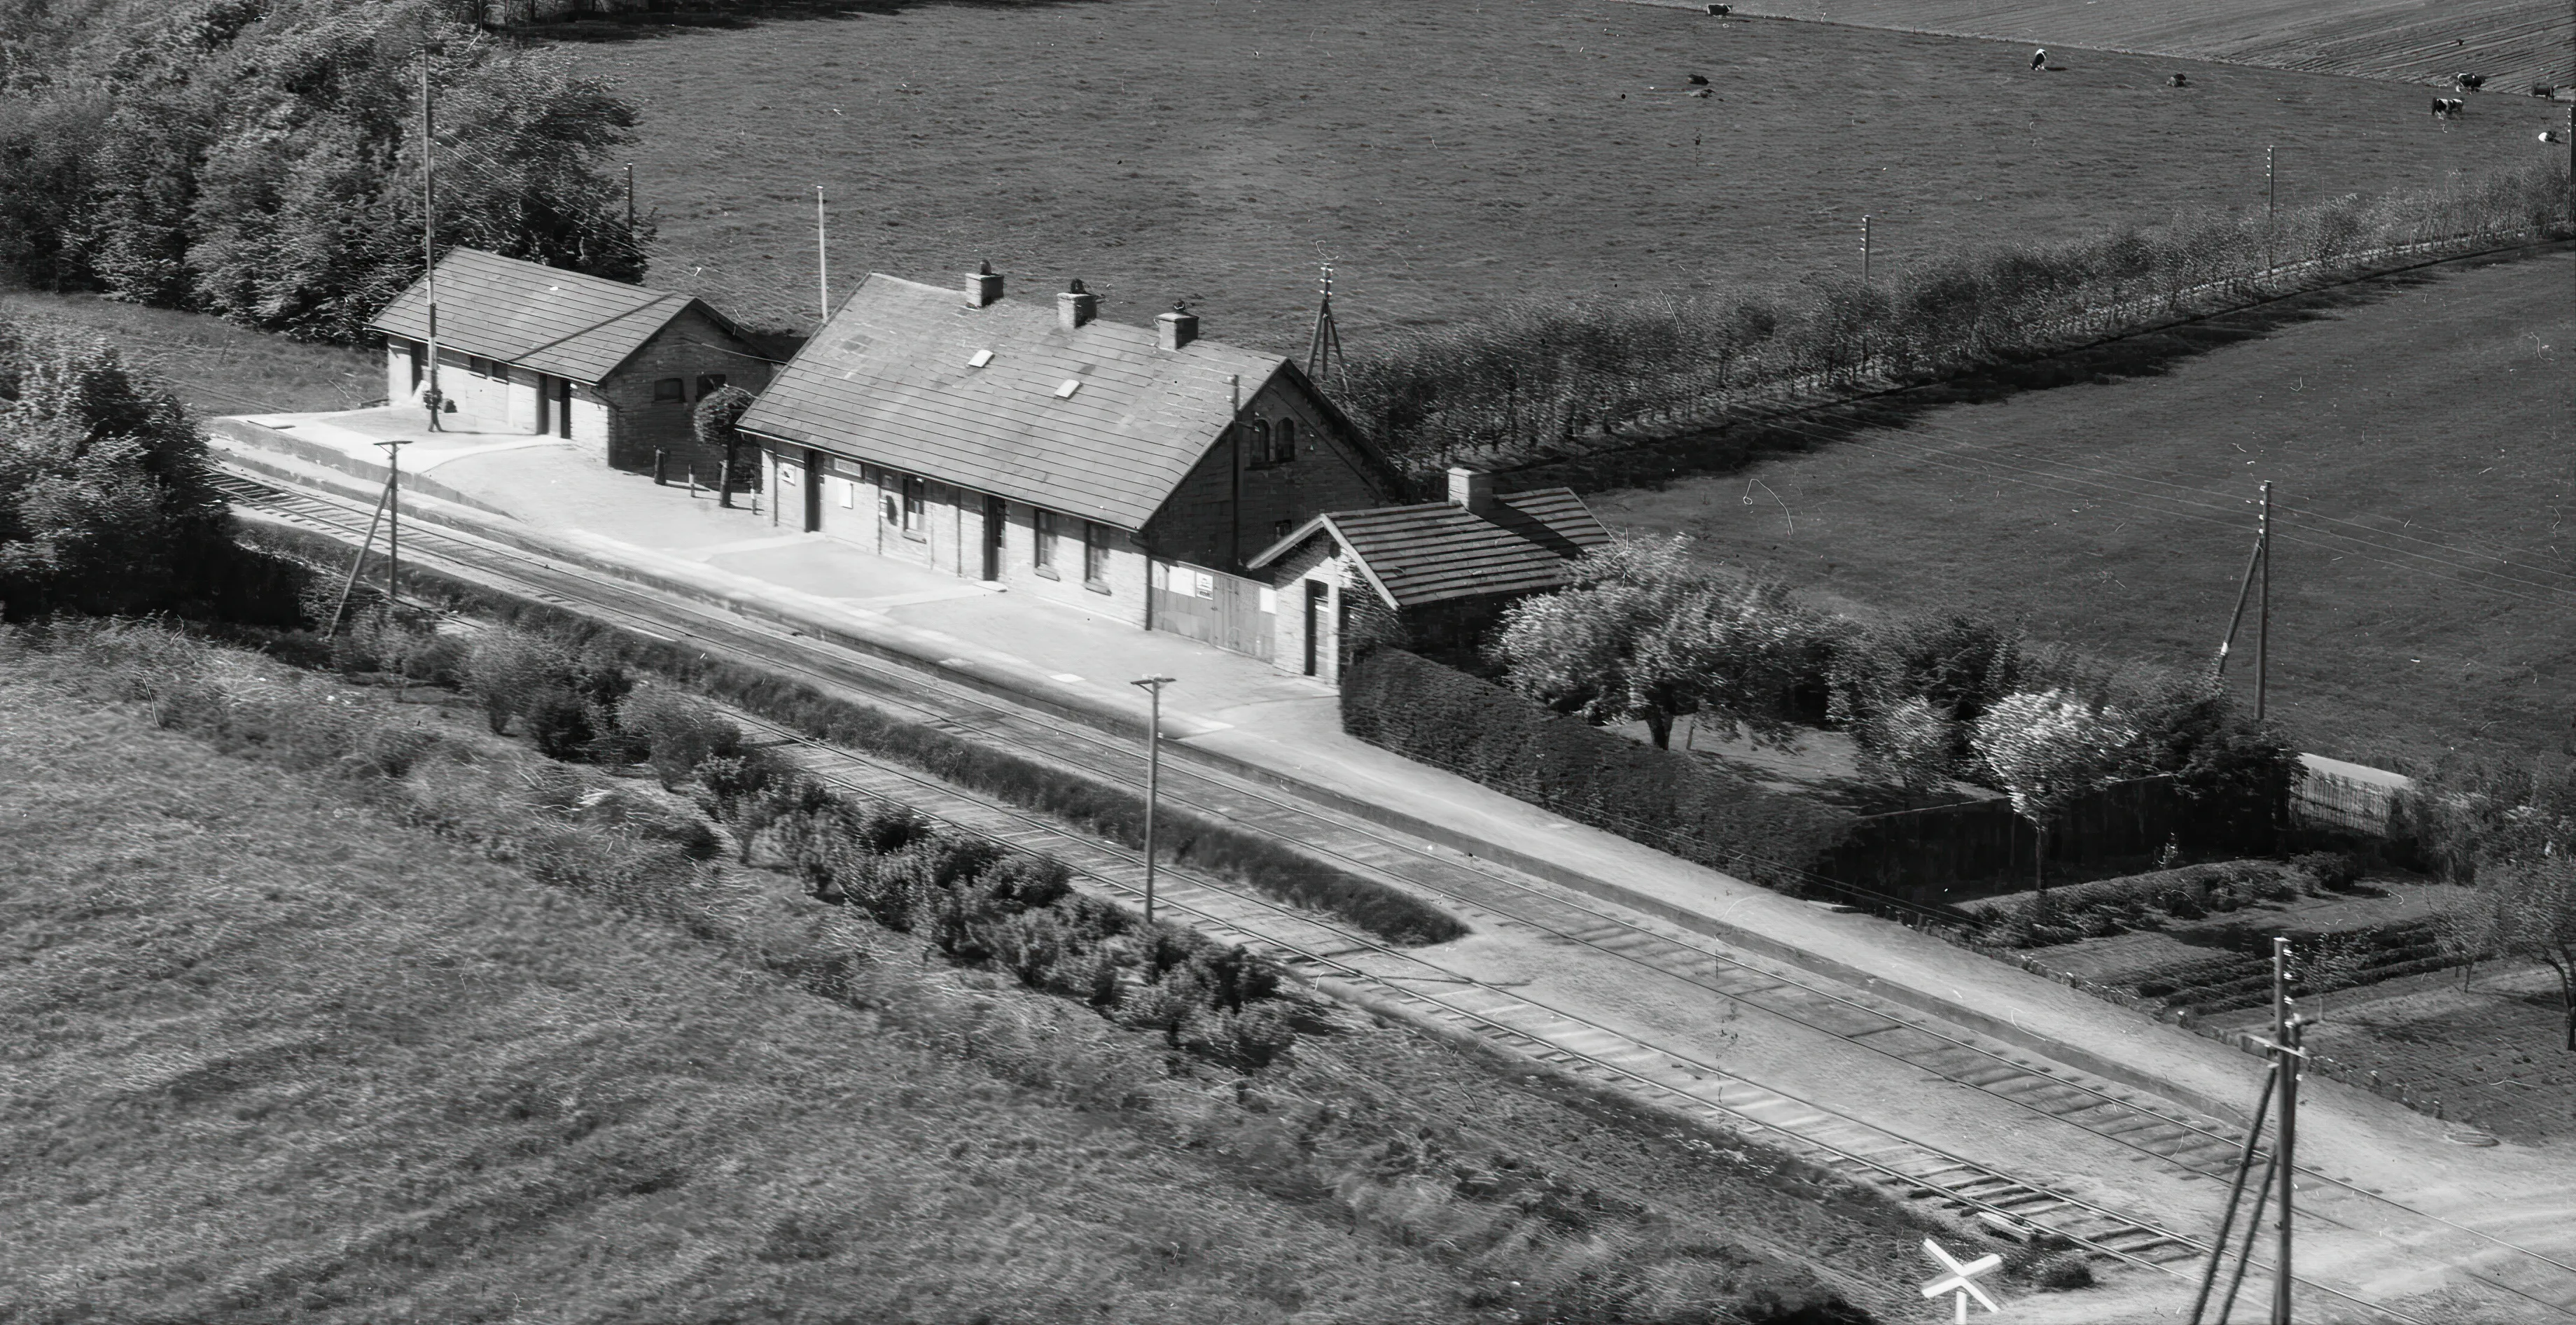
822,259
630,202
2271,195
393,522
1324,348
2263,618
1864,248
1152,685
2245,585
2285,1038
429,217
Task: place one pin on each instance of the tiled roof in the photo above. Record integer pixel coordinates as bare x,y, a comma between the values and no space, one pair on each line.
1438,551
888,381
539,317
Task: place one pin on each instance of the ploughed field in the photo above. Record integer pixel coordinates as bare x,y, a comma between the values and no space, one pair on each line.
2422,439
2514,42
1447,156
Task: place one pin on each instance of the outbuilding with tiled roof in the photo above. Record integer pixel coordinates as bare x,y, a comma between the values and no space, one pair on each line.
1433,576
1128,470
527,348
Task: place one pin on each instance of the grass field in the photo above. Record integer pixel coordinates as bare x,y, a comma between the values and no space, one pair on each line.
216,367
1447,156
2423,441
2514,42
277,1052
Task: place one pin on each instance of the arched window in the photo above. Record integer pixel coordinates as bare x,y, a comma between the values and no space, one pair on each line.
1287,440
1260,441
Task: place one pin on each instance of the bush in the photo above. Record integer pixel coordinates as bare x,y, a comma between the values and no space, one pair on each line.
679,731
1450,720
560,723
2110,906
510,670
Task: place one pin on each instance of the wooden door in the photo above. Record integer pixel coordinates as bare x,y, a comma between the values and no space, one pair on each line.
1315,592
997,514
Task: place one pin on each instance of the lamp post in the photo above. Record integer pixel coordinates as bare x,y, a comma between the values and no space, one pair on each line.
1152,685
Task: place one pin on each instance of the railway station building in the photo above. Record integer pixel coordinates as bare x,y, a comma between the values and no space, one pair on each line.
527,348
1432,577
1132,471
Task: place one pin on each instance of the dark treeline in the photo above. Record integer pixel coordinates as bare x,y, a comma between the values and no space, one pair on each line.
1537,381
261,159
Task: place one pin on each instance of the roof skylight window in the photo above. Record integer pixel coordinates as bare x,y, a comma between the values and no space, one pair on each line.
1071,385
979,358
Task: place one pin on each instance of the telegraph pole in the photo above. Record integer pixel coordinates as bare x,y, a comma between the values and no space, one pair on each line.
822,259
393,526
1152,685
1864,248
2271,195
1324,348
429,217
2286,1054
630,202
2263,619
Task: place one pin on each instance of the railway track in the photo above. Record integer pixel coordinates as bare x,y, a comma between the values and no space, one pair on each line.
1334,954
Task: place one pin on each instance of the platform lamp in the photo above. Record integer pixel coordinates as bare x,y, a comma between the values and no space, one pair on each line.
1152,685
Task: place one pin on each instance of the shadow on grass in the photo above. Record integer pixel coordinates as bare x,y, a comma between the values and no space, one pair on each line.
1729,447
734,15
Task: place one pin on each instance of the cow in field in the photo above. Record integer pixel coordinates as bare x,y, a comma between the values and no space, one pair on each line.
2039,59
1721,11
2176,80
2468,82
2446,107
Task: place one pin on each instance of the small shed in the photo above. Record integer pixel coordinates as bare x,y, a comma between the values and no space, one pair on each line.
527,348
1434,577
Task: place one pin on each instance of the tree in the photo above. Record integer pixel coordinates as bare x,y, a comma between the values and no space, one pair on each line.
2047,749
1910,745
717,413
1643,635
2530,913
106,503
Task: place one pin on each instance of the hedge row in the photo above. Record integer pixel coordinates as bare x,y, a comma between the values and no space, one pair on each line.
1102,808
983,903
1443,717
1534,381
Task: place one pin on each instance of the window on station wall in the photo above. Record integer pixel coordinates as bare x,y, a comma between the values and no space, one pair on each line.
1284,442
915,498
1050,528
709,384
1259,442
670,391
1095,555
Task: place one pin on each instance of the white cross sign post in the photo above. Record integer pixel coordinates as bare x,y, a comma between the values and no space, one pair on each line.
1960,1277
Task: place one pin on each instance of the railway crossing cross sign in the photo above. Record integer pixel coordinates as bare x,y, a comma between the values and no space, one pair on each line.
1961,1278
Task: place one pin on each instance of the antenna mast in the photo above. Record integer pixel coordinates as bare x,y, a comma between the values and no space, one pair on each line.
1324,349
429,217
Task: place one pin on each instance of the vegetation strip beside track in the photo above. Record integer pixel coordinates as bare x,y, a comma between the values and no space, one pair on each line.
1321,959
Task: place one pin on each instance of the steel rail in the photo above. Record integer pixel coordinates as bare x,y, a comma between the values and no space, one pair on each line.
338,515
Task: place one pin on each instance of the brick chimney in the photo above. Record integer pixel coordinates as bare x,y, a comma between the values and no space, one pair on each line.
983,288
1176,329
1076,306
1471,489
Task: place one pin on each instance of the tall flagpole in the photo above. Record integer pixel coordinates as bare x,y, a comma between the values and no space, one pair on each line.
429,217
822,260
